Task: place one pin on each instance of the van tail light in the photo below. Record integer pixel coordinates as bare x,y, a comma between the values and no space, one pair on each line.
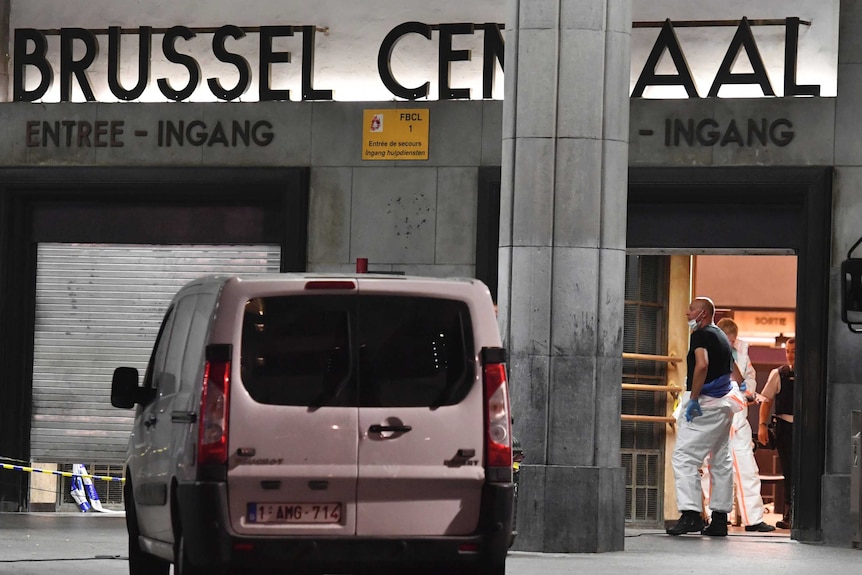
215,404
498,421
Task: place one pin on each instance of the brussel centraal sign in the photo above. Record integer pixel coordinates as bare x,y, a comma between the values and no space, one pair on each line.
79,49
31,56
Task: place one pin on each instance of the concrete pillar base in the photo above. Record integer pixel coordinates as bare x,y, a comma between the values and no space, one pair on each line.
571,509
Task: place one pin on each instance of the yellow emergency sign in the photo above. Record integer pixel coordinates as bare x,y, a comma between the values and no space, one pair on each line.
395,134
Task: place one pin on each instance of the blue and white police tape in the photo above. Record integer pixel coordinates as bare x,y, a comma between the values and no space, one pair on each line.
83,491
76,488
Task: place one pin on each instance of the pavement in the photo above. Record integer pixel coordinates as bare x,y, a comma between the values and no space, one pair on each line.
95,544
652,552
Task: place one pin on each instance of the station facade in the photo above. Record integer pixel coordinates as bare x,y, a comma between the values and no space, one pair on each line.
143,148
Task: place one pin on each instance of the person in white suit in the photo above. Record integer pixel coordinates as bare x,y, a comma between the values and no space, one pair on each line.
703,426
745,471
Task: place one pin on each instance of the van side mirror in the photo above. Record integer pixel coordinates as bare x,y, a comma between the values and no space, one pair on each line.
851,291
125,392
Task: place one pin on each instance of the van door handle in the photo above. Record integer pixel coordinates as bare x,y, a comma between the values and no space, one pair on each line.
184,417
390,428
150,421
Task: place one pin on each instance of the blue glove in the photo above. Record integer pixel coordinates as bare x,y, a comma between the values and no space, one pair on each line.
742,386
692,410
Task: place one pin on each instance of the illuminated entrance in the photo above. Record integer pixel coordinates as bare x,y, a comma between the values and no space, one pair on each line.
739,211
758,292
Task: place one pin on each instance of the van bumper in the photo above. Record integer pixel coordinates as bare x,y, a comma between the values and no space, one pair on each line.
209,542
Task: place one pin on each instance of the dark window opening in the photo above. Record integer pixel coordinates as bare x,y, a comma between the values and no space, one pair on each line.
642,442
415,352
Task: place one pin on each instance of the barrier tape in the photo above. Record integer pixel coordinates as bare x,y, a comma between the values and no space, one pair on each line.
61,473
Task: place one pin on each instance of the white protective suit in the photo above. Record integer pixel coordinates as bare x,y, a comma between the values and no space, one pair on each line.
707,434
745,470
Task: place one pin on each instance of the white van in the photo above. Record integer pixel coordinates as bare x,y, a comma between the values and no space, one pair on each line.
331,424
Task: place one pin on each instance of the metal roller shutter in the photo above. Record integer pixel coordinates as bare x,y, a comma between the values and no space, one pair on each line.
99,307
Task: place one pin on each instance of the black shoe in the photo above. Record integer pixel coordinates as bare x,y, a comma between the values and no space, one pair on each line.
689,522
718,526
760,527
785,521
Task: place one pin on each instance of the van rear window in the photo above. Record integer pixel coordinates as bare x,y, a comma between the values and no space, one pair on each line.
358,350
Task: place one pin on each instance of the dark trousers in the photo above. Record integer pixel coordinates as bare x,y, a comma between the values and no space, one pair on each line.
784,446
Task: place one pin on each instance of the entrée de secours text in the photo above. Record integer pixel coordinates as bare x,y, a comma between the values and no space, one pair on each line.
372,144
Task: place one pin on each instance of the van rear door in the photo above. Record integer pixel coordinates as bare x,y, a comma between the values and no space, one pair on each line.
293,418
420,416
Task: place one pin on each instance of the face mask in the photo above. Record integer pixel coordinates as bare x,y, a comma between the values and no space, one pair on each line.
692,323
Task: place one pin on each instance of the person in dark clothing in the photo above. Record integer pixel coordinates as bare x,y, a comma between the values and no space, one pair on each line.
778,391
703,426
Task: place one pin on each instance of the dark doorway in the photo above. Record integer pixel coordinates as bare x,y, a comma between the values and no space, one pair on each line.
488,228
122,205
751,210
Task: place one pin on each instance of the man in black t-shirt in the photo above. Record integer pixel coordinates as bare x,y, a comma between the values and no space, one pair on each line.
704,424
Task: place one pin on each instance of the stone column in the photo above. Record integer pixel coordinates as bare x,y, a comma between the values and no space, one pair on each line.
843,385
562,265
7,40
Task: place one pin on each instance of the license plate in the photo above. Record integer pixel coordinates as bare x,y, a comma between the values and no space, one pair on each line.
294,512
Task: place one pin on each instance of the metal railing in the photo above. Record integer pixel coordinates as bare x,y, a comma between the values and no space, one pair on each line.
650,357
672,389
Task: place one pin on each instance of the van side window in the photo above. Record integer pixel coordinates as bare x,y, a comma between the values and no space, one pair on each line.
167,380
157,357
296,350
193,357
415,352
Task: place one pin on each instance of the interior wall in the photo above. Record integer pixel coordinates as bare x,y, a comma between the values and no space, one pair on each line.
750,282
759,292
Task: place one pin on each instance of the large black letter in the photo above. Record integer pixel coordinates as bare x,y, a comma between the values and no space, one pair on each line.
384,59
666,40
145,41
308,91
446,55
223,55
494,48
69,66
268,58
742,39
35,58
171,54
791,45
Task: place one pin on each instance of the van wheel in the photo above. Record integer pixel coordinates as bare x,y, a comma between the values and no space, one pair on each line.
140,563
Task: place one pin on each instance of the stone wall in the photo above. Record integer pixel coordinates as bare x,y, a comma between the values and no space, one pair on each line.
418,217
